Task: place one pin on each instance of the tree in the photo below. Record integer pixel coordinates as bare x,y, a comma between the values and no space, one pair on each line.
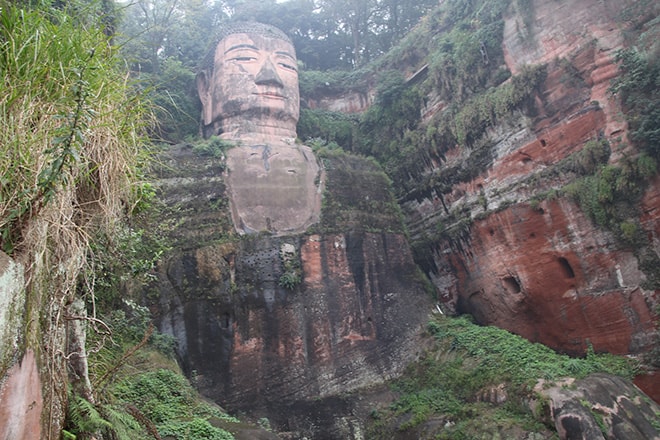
146,28
394,18
164,41
353,18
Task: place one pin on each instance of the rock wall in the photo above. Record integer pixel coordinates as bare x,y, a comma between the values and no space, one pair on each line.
355,102
501,245
261,346
12,302
21,401
600,406
563,283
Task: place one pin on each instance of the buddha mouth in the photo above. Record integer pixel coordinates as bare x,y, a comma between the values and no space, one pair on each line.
270,95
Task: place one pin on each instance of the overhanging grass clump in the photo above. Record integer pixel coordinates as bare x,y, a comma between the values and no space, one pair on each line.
70,127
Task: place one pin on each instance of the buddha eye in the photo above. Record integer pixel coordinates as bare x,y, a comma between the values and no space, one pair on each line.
243,59
288,67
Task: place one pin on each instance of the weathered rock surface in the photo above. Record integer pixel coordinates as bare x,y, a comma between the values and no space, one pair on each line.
602,406
12,302
259,345
543,270
348,103
566,284
21,401
274,188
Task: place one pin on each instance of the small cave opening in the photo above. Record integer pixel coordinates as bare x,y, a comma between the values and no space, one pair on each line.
566,268
543,143
226,320
491,231
511,284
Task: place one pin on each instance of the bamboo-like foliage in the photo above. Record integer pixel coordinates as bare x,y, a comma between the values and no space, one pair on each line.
71,136
68,121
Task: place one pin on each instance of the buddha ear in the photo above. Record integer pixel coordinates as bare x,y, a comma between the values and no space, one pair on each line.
202,81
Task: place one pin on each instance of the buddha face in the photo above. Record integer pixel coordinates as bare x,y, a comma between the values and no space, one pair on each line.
254,78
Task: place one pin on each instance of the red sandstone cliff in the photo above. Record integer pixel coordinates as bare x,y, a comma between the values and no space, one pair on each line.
545,270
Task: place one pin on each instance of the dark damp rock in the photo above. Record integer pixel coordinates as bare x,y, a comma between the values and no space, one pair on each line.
602,406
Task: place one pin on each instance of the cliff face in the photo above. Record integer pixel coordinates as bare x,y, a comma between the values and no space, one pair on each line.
505,245
265,323
547,275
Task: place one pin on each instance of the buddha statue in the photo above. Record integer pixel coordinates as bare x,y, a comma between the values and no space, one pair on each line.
248,87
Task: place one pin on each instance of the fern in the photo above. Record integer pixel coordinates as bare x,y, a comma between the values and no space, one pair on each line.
124,425
84,418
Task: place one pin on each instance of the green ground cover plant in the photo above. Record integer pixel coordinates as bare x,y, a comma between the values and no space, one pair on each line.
466,359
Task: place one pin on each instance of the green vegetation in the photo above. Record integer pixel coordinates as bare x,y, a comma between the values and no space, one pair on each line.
468,360
212,147
372,208
139,391
154,404
292,275
174,97
314,83
165,398
76,134
609,195
395,111
640,95
73,147
327,127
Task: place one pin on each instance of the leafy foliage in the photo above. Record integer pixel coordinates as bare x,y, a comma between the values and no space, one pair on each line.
167,399
66,132
609,195
517,360
292,275
639,88
468,359
212,147
395,111
328,126
72,150
175,101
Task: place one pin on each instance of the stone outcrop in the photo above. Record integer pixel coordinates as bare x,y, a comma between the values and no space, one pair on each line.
355,102
567,284
601,407
21,401
12,302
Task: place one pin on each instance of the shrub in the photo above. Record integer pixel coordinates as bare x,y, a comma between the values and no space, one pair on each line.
468,358
167,399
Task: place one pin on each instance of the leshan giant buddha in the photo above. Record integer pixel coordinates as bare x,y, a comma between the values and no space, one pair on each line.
248,87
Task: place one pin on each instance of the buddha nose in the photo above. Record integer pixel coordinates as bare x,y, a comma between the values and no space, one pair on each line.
268,76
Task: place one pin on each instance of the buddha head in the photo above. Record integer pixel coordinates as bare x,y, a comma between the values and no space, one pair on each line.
248,84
